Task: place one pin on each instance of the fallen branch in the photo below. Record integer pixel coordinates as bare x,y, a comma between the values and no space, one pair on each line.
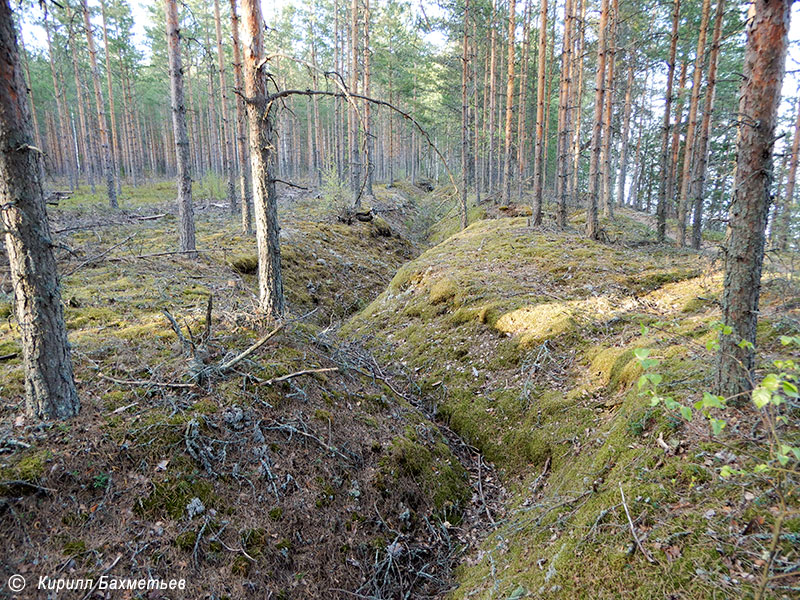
227,366
649,558
275,380
142,382
26,484
9,356
89,261
151,217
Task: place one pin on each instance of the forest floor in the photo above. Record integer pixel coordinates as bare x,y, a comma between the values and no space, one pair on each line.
468,404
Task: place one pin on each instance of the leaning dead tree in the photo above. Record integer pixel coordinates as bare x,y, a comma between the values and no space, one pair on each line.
260,118
49,384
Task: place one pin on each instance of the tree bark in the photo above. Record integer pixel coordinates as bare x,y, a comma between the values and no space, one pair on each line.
688,149
464,117
105,151
49,383
663,183
185,208
491,175
538,156
260,117
115,149
764,63
698,185
626,124
605,158
791,178
592,228
227,150
564,134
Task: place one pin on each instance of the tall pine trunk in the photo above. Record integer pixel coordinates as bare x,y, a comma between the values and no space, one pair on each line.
227,150
592,226
185,209
538,156
698,184
759,97
688,149
663,182
788,200
49,383
105,150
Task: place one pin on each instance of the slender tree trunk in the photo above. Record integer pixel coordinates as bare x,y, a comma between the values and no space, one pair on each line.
626,124
105,151
788,200
578,102
492,179
592,229
764,63
688,151
185,209
355,160
676,142
115,149
369,143
522,134
538,156
562,168
698,185
464,118
63,124
317,157
227,150
605,158
85,136
262,143
663,183
49,384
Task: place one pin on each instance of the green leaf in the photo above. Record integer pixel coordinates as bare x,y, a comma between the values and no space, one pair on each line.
771,382
641,353
648,363
717,425
654,401
783,459
725,472
655,378
712,401
761,397
761,468
686,413
786,340
727,330
643,380
790,389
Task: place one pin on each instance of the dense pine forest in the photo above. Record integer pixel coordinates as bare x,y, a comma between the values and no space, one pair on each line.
399,299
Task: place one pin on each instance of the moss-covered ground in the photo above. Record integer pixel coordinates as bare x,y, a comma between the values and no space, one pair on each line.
294,490
523,339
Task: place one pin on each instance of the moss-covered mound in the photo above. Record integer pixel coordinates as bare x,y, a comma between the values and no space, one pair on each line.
524,340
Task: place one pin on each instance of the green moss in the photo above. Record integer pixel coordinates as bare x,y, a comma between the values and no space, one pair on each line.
170,497
31,466
74,547
438,473
244,264
443,291
276,514
186,540
5,310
